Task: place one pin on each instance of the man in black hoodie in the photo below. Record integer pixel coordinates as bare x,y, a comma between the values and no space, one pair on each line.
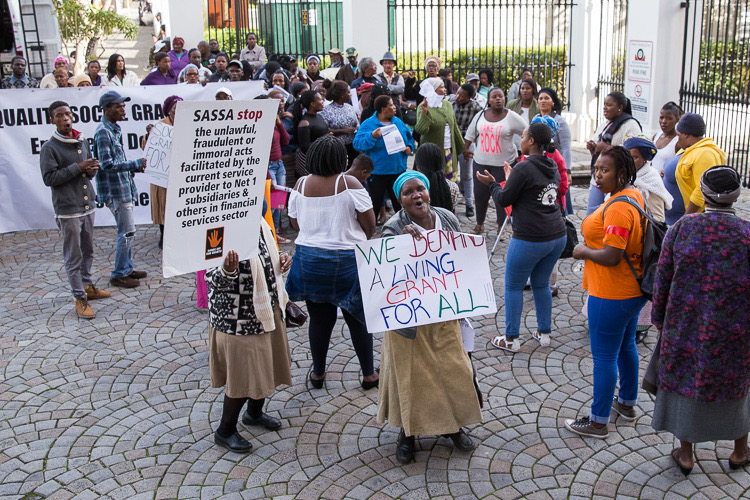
68,167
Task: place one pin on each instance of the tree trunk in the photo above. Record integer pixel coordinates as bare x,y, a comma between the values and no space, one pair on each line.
80,64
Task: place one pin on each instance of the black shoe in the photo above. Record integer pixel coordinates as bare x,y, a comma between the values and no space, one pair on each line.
264,420
554,289
469,211
405,448
235,443
640,335
461,440
138,275
124,282
371,384
317,383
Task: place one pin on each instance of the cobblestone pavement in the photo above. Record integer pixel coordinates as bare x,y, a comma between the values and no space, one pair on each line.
120,407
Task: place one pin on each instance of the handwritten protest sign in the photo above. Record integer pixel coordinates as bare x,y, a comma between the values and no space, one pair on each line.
217,174
407,282
158,147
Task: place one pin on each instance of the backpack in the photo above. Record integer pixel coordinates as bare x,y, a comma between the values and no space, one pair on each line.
652,243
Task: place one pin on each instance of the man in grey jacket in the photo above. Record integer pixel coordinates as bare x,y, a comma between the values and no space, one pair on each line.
68,167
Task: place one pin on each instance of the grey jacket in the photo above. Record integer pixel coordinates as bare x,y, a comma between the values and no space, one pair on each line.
72,190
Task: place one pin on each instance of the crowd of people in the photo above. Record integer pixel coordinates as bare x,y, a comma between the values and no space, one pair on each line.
342,137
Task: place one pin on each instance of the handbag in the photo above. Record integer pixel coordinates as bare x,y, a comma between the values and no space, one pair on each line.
295,316
572,241
650,382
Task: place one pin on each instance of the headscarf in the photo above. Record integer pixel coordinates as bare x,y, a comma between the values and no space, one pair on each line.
81,78
642,144
365,87
60,58
435,82
191,66
311,57
433,58
721,185
549,121
178,39
556,103
408,175
169,103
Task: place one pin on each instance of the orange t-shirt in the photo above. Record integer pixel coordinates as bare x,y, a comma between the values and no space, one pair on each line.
622,228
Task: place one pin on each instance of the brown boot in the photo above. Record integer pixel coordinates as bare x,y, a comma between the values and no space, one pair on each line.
84,309
478,229
93,293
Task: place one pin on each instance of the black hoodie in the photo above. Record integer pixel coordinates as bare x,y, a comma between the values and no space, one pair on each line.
532,189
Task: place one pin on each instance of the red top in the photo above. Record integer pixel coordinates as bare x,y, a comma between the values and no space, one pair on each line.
280,138
560,162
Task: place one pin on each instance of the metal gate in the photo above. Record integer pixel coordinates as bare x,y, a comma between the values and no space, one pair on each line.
613,35
502,35
716,74
291,27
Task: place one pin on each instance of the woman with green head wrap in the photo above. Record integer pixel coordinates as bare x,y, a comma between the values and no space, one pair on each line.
427,385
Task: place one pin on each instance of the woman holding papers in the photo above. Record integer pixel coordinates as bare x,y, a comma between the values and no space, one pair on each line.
427,382
158,193
387,141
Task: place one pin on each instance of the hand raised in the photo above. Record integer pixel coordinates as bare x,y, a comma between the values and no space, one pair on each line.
231,261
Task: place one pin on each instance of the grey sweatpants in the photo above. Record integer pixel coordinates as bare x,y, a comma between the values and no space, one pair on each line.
78,251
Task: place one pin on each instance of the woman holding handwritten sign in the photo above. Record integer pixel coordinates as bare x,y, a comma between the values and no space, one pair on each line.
427,386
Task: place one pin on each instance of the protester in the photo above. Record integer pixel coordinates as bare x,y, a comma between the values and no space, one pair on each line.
332,213
62,78
447,75
432,65
550,105
313,69
247,301
163,74
221,74
341,116
93,68
115,185
82,80
438,126
213,52
253,53
498,126
178,58
612,132
526,104
701,153
376,90
191,75
428,386
18,79
117,75
515,89
539,233
67,168
612,233
701,304
336,58
205,52
672,215
473,80
648,181
361,168
203,74
370,141
49,80
223,94
367,70
275,165
666,142
428,160
350,71
234,69
486,82
309,126
465,107
394,81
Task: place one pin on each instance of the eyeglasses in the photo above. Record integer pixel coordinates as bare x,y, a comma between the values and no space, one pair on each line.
191,74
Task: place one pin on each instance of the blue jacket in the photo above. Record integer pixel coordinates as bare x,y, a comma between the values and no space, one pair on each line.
385,164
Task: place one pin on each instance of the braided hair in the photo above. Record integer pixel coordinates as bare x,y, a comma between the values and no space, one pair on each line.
326,156
542,135
624,165
430,160
305,99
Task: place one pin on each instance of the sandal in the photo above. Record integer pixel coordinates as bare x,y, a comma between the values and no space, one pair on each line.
506,345
676,457
478,229
543,338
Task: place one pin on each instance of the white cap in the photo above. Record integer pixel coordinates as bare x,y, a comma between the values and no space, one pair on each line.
224,90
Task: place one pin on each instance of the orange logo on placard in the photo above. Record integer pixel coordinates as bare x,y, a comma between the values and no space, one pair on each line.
214,238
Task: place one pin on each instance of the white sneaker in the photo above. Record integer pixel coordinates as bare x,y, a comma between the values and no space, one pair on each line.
506,345
543,338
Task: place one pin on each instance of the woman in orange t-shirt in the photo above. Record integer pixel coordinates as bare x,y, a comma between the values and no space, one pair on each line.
611,233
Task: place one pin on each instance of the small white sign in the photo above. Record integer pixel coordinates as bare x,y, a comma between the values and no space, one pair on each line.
158,148
640,54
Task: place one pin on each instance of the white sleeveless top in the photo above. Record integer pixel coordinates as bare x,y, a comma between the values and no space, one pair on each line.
663,154
329,222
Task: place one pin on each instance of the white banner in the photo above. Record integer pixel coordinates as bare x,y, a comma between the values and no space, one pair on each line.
217,177
407,282
25,126
158,149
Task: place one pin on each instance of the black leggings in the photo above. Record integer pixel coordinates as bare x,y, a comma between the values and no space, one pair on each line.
379,186
322,321
230,413
482,192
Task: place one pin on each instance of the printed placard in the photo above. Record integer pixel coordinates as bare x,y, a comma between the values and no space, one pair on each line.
408,282
217,174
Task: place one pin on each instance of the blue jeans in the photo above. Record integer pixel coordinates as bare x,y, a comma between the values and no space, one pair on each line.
596,198
536,260
123,213
612,325
466,184
278,174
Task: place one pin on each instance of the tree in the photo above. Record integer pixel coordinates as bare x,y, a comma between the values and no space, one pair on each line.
82,24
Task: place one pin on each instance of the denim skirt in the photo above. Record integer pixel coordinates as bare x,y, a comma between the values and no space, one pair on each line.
326,276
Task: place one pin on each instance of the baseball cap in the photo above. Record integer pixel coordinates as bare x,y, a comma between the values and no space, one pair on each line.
224,90
111,97
351,52
472,76
234,63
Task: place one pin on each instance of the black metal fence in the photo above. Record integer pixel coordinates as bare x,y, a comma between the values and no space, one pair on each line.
282,27
504,36
613,35
716,74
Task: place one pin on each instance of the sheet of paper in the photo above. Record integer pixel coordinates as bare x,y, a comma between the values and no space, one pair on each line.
394,143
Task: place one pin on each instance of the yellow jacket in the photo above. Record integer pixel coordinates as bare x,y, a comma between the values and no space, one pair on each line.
698,158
